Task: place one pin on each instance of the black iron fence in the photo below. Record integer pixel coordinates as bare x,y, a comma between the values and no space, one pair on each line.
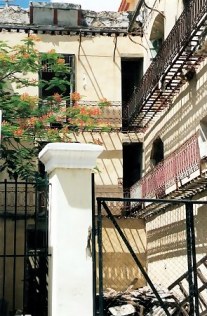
152,266
23,248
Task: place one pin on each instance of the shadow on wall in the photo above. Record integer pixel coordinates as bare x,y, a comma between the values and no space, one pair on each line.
183,116
167,246
119,268
166,234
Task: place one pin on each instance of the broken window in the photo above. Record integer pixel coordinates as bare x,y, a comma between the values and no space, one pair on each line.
157,153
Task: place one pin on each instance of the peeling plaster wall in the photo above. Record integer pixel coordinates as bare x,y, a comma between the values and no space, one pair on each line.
88,18
119,268
97,76
14,15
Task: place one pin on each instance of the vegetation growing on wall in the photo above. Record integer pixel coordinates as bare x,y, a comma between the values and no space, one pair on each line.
28,121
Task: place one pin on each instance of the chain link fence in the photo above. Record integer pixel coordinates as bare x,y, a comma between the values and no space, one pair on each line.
172,279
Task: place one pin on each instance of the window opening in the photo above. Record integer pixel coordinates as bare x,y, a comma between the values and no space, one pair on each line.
131,74
157,153
202,138
47,74
157,34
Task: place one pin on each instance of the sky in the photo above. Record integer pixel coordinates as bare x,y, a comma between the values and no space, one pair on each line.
96,5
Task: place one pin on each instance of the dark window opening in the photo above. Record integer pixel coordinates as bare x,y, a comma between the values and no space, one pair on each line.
157,153
131,72
132,164
185,3
46,74
36,238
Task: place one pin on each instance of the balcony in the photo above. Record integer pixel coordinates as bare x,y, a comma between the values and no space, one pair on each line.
110,114
181,175
174,65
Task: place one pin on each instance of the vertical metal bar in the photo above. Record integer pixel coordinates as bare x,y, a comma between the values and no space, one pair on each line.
35,250
25,286
15,245
189,259
46,246
93,243
100,259
196,292
192,264
5,239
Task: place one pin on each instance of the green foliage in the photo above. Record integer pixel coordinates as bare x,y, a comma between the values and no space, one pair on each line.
29,121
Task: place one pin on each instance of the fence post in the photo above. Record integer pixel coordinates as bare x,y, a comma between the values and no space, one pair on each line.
70,205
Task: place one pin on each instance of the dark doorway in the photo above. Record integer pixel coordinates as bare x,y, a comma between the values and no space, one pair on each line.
132,162
131,74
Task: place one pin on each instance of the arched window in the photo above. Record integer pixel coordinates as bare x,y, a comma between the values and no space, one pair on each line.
157,153
157,34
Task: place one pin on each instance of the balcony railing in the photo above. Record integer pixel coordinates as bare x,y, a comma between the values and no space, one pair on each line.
177,169
110,114
176,52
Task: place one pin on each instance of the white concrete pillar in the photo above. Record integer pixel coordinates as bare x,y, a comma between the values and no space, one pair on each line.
70,270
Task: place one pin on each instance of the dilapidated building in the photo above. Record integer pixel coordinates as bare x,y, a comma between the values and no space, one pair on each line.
103,56
169,106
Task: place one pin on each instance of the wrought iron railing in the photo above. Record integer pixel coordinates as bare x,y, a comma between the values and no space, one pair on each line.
170,172
24,239
182,33
111,113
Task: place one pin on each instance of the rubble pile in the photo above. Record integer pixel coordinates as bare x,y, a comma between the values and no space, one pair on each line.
14,15
106,19
141,302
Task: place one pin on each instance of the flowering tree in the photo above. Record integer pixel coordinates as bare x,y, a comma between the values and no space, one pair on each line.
30,121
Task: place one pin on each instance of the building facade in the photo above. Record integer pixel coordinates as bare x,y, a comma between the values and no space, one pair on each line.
103,56
169,105
150,64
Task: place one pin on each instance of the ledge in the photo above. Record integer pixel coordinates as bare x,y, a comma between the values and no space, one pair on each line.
69,156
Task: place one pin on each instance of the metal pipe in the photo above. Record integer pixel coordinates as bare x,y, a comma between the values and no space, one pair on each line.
170,201
100,260
192,265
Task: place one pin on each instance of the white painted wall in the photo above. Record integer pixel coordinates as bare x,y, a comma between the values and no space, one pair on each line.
70,202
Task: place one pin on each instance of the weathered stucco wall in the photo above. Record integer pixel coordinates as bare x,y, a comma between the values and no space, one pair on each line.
119,268
166,235
98,73
97,76
166,242
170,12
182,119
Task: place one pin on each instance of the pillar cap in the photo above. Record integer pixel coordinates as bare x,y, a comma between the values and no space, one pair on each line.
69,156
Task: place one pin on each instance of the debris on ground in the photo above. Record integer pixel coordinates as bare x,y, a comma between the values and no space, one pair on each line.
142,302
